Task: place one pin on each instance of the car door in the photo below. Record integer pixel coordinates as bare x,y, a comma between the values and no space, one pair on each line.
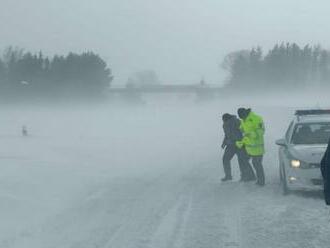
284,150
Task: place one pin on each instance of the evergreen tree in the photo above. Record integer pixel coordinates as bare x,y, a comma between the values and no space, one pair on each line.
24,74
285,65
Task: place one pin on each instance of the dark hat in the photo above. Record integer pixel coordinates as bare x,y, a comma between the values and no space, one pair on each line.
243,112
226,117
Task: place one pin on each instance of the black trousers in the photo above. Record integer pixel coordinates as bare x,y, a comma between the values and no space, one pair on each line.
257,164
326,191
243,162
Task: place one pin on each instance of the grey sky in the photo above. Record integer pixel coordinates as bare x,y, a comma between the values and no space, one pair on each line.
182,40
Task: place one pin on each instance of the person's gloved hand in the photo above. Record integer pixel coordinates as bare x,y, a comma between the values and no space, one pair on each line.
239,144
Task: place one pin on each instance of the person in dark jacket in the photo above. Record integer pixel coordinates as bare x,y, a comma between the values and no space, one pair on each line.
325,170
231,128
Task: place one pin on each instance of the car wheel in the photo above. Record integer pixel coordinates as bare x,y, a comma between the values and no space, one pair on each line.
284,183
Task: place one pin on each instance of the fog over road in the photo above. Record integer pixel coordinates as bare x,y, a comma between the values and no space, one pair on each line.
145,176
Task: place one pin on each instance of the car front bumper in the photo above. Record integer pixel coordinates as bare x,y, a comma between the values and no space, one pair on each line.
304,179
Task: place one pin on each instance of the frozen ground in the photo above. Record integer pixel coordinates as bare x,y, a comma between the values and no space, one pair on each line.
144,177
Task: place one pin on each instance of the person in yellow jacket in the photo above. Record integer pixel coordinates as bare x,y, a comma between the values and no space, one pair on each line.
252,127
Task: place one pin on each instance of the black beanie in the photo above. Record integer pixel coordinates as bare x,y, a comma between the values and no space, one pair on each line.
243,112
226,117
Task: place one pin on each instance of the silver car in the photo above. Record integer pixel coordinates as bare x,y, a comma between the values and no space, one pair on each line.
302,149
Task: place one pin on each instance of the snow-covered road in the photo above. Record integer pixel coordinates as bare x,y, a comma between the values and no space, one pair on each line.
143,177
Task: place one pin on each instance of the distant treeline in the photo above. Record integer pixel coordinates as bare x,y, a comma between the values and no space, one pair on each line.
25,74
284,66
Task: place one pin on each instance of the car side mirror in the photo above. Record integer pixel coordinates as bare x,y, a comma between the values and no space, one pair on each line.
281,142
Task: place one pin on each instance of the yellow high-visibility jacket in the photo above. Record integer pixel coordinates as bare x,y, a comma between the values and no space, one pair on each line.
253,135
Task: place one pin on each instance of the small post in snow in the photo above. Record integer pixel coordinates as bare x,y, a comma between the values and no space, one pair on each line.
24,131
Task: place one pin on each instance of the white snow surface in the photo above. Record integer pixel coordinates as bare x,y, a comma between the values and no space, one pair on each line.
149,176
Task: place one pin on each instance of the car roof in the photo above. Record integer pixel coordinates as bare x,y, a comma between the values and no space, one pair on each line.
312,119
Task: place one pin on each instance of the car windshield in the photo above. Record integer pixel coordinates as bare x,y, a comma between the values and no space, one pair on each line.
311,133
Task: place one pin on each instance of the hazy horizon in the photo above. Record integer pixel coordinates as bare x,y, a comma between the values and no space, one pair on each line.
182,41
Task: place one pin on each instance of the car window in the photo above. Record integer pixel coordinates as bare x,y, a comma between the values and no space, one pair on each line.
311,133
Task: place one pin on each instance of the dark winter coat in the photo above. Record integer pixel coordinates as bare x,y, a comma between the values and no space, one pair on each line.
231,128
325,170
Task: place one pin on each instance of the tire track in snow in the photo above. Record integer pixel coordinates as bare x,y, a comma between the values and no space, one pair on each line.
232,196
184,213
232,223
163,206
171,230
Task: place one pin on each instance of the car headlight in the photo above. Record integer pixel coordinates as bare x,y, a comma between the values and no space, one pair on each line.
295,163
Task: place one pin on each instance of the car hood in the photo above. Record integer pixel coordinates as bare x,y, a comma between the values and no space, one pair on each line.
308,153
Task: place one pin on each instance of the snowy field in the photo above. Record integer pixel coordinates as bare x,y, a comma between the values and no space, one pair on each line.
146,177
